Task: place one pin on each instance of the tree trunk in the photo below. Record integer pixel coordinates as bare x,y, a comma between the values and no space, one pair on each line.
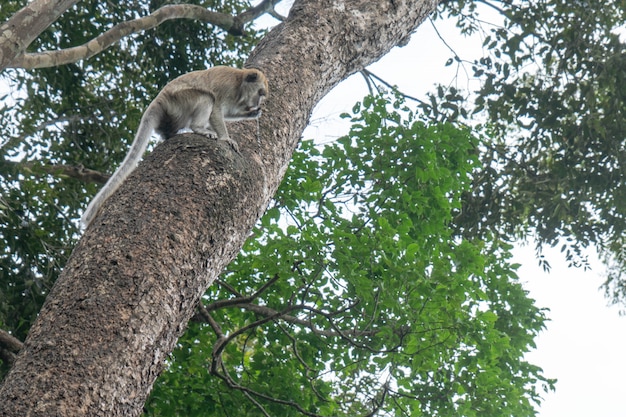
133,280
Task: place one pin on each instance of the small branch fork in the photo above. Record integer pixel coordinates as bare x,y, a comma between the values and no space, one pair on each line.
267,314
371,79
231,24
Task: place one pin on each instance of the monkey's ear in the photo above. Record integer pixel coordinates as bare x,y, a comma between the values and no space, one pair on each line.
251,77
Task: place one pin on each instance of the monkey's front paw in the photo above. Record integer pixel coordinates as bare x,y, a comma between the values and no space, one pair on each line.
232,143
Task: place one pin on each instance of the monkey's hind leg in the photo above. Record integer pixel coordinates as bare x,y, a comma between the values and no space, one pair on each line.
199,117
200,124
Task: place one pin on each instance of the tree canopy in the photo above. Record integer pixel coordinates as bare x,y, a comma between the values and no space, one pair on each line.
368,298
379,281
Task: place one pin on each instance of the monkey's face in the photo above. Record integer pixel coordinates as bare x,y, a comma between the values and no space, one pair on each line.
253,109
252,95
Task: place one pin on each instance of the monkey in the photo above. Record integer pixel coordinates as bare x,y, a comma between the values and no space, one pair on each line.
201,101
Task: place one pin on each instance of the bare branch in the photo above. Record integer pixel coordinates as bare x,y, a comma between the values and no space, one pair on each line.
266,6
9,346
221,343
270,314
24,26
379,403
370,85
73,171
240,300
233,25
249,393
7,356
10,342
369,75
494,7
217,329
229,288
76,171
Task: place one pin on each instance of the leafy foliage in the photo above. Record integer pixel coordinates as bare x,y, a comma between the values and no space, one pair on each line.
553,97
374,303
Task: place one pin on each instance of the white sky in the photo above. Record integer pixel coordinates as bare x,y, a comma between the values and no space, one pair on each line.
584,344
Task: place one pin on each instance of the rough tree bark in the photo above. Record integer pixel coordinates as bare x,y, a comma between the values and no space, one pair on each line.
133,280
24,27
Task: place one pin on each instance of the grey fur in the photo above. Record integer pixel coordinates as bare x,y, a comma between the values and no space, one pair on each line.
201,101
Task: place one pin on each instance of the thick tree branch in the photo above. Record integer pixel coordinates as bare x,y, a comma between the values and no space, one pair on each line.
233,25
24,26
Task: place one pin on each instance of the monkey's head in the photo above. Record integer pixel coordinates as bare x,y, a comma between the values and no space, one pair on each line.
253,93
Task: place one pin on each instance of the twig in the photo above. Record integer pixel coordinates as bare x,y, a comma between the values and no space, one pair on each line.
240,298
371,75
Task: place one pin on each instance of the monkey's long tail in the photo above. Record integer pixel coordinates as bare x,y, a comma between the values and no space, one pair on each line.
136,151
